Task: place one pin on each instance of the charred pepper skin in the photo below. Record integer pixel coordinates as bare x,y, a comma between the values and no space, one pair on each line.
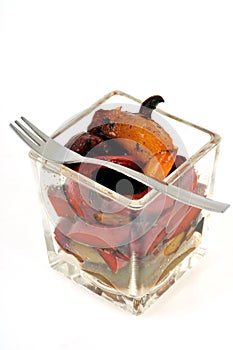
83,142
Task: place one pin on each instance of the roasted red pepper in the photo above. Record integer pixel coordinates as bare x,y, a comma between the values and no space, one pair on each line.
78,196
77,200
97,235
158,239
190,215
66,244
114,260
59,202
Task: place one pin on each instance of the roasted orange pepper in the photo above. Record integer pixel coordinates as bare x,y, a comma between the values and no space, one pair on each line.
141,137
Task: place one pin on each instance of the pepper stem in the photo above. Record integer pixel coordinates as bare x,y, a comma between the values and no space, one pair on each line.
149,104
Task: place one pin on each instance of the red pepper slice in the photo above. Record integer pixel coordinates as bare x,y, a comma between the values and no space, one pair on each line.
82,233
99,236
109,258
75,191
171,222
113,261
191,214
76,200
113,257
66,244
184,217
158,239
187,181
59,202
127,161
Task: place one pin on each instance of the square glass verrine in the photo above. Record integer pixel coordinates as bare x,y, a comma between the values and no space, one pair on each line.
126,247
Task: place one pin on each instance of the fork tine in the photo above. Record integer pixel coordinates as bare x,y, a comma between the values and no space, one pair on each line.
29,133
25,138
35,129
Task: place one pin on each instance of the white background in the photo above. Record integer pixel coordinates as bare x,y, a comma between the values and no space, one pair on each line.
58,57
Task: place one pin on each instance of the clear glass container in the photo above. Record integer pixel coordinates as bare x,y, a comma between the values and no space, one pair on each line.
127,249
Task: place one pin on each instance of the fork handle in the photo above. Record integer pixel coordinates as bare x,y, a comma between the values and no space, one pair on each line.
170,190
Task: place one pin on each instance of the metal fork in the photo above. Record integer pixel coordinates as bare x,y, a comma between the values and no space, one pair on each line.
53,151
